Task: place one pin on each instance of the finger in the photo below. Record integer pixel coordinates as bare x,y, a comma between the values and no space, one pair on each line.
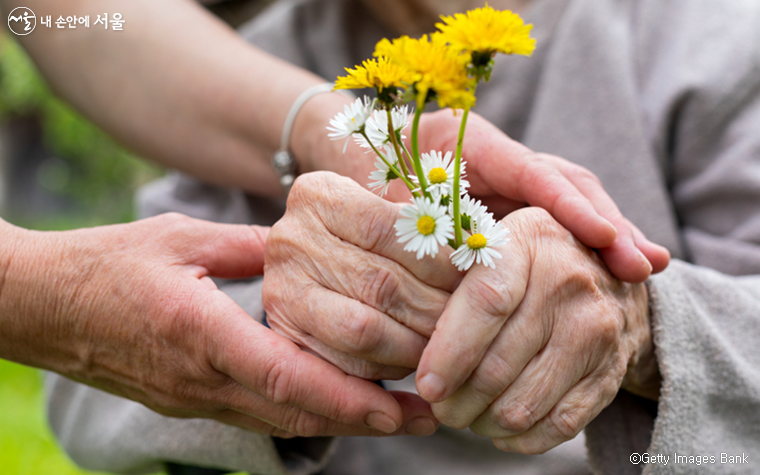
519,340
418,416
367,222
632,257
353,336
529,177
373,280
233,251
384,285
275,368
531,396
220,250
418,420
582,403
657,255
473,317
625,258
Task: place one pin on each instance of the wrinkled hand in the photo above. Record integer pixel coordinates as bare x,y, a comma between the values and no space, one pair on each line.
531,352
338,282
131,309
506,175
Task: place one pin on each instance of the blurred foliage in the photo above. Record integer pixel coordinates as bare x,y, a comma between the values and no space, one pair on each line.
95,173
27,447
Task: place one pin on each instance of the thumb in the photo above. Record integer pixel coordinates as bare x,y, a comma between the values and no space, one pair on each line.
230,251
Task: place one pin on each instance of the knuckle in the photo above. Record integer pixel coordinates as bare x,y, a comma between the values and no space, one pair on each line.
177,224
534,171
535,221
608,329
174,217
377,232
303,187
494,297
379,287
280,377
563,425
584,176
361,334
605,326
492,376
516,418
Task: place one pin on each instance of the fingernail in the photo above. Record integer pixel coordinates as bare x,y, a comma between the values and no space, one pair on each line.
501,444
431,388
421,426
611,227
381,422
642,257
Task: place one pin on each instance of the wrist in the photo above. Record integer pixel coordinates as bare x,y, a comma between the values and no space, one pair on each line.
309,141
11,238
41,284
643,376
16,299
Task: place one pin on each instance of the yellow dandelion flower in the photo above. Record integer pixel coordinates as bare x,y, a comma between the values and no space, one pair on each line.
377,73
436,69
488,31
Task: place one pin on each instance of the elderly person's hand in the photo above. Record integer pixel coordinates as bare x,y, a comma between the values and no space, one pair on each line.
338,282
506,175
131,309
530,352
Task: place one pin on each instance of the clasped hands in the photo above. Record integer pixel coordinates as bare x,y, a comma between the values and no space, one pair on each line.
527,353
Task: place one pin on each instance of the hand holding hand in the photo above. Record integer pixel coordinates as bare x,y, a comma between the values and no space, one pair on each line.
506,175
339,283
530,352
131,309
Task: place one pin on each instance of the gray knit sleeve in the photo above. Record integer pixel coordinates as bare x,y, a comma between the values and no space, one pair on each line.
702,94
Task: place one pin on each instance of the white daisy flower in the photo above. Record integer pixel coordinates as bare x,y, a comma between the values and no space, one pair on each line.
478,247
470,210
377,127
439,172
425,225
383,175
351,121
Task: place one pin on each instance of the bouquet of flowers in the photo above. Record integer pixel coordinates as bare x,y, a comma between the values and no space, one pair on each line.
445,66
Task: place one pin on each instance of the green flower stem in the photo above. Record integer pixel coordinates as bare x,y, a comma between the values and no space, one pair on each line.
406,181
457,169
416,153
406,151
394,141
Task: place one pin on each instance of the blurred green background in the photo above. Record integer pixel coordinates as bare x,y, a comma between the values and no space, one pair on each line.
57,171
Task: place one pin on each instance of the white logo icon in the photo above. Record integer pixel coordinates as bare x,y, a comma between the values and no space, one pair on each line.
22,21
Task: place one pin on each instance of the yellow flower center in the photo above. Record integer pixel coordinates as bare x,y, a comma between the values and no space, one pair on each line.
476,241
426,225
437,175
